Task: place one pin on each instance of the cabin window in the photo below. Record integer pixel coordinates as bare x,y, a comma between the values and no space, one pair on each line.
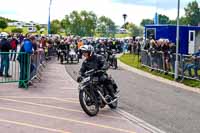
191,36
151,33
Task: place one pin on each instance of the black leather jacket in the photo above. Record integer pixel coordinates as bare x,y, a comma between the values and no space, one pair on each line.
5,45
96,62
62,47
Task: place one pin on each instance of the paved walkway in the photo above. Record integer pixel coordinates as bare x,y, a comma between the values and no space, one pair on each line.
52,106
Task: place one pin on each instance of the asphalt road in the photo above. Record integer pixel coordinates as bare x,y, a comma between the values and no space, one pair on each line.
164,106
52,106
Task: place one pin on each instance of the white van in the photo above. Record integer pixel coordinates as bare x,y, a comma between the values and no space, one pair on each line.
32,29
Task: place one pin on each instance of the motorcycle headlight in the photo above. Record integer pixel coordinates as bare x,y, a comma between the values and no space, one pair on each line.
95,79
86,79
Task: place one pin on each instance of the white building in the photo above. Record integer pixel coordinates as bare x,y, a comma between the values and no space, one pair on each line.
19,24
31,25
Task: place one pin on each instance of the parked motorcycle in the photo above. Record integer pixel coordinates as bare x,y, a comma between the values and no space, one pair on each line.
94,95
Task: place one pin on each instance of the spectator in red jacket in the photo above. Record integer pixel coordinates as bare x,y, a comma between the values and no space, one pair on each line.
14,42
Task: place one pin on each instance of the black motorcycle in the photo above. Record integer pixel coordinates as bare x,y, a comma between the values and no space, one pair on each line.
93,94
112,60
62,55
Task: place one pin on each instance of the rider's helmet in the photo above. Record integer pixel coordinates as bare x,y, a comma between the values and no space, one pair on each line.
87,48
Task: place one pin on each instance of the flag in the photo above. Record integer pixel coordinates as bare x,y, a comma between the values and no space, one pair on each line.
50,3
49,25
49,20
156,18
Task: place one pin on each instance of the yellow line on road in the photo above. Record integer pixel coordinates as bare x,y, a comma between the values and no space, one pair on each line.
71,100
67,119
60,108
33,126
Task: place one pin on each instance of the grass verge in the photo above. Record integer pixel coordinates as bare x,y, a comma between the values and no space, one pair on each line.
133,61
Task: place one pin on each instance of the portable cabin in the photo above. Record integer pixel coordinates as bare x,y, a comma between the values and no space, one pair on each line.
189,36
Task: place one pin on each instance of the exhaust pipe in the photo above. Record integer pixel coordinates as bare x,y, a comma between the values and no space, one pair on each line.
105,99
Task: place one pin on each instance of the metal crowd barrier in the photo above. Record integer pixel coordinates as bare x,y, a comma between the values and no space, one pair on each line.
38,63
24,68
14,70
166,63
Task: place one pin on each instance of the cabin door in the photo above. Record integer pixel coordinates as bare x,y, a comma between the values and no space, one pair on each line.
191,43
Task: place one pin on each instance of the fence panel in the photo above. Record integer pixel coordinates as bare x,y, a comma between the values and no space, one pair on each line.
189,67
14,70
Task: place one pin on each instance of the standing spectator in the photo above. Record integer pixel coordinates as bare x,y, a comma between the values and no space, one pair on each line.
172,51
21,38
80,44
14,42
5,47
153,51
195,65
24,61
165,50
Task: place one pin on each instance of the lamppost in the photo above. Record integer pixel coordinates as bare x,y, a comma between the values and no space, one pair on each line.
177,42
49,20
124,17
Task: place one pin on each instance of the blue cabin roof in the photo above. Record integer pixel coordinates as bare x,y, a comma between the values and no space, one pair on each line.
170,25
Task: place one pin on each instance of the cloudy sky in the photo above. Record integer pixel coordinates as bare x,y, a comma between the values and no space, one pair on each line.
37,10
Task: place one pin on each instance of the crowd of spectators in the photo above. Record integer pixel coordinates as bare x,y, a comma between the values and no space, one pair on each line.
26,50
162,55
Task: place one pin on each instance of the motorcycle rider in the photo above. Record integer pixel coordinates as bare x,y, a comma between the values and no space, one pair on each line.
109,49
97,62
101,48
63,48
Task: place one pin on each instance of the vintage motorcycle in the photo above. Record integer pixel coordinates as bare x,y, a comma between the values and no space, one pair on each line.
94,95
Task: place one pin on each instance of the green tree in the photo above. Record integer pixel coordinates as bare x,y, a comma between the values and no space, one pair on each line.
66,25
3,24
82,24
88,23
146,22
8,20
192,13
125,25
134,30
75,23
17,30
106,27
163,19
55,27
38,27
184,21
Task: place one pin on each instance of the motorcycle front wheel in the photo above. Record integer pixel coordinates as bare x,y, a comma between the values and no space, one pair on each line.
115,63
88,103
61,59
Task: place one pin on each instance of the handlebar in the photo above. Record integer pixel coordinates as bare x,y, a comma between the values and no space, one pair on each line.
93,71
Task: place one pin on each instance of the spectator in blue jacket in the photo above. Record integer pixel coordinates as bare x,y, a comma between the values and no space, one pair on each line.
195,65
24,60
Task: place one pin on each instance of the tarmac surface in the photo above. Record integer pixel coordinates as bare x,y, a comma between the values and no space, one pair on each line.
52,105
167,105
